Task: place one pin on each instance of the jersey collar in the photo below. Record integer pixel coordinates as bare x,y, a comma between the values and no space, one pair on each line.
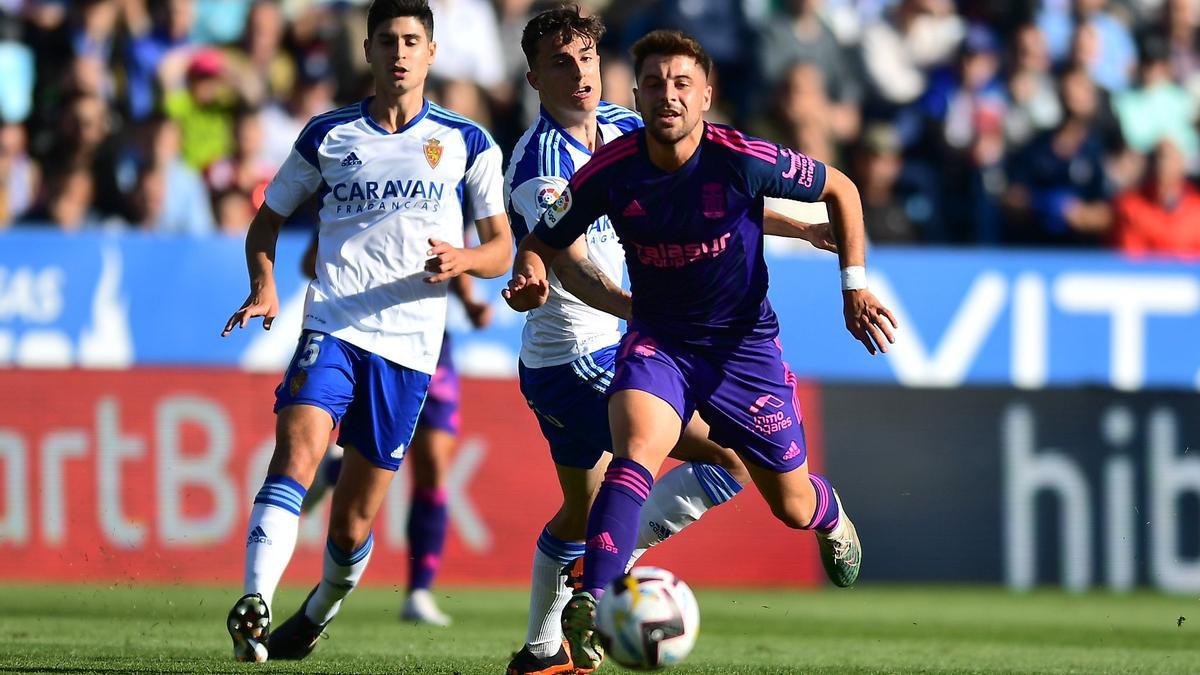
563,132
364,110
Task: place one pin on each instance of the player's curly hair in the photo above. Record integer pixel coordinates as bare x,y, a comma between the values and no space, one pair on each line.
564,22
386,10
668,43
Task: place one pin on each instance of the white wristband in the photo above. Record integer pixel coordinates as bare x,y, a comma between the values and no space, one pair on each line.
854,278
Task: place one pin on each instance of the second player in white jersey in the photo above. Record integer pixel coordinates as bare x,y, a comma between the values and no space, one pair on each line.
564,329
384,196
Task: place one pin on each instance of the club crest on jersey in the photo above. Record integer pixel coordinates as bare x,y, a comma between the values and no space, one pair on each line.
547,196
559,208
433,152
712,200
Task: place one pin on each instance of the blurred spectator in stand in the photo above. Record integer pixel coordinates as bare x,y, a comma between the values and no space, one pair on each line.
1162,215
154,162
917,36
512,16
234,210
219,22
463,97
876,167
19,175
244,169
1181,26
1110,49
802,116
159,30
17,72
616,80
260,61
971,106
468,43
204,109
799,35
1033,97
1158,107
66,199
311,95
1059,191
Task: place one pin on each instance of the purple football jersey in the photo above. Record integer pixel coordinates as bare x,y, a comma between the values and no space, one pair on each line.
693,238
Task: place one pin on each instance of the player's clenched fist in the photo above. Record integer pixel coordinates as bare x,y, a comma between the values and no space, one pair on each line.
868,320
525,292
264,303
446,262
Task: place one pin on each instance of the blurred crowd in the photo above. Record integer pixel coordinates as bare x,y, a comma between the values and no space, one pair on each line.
989,122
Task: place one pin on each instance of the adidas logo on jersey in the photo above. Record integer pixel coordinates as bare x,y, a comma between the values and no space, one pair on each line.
634,210
258,536
351,160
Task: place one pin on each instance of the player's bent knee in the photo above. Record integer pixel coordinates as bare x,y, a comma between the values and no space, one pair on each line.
349,537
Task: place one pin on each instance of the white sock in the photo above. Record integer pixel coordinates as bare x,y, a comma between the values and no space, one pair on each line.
340,574
678,499
271,535
548,593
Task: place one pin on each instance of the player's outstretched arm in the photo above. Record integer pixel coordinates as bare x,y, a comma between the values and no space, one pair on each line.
866,318
528,287
819,235
491,258
580,276
260,261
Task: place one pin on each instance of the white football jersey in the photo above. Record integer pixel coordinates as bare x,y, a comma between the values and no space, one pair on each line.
542,164
383,196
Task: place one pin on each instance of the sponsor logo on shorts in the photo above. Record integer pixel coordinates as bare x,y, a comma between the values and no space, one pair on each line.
296,382
764,401
793,451
398,453
604,542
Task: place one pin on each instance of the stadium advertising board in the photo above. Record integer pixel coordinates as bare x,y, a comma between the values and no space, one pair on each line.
148,475
1005,318
1084,488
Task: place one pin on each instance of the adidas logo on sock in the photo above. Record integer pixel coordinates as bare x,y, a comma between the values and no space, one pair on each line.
258,536
351,160
604,542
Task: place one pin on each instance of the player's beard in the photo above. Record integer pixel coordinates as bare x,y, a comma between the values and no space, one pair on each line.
674,134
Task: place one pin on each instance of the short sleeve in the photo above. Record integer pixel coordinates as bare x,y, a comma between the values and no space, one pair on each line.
295,182
569,216
790,175
484,185
529,201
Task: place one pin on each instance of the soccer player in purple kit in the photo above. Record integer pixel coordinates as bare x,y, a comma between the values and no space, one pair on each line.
686,200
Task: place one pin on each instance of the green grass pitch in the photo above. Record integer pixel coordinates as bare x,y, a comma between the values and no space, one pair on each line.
118,629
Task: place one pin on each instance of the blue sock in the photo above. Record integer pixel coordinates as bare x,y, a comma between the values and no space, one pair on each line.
613,522
718,484
825,517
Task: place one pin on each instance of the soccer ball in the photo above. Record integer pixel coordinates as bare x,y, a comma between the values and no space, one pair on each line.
648,619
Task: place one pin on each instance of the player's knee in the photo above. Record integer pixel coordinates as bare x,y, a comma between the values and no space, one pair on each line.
795,513
569,524
349,537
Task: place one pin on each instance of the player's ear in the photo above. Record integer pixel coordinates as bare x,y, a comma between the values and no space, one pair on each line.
367,48
637,105
432,50
707,98
532,78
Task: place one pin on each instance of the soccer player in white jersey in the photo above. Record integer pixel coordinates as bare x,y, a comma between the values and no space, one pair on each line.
397,175
568,347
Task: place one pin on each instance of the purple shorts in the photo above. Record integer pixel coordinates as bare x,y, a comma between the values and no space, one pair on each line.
746,393
441,403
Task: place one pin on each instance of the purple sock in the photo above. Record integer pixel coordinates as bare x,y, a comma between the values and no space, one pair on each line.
426,536
825,518
613,523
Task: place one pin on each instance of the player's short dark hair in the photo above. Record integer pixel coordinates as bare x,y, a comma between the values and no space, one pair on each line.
565,23
668,43
386,10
